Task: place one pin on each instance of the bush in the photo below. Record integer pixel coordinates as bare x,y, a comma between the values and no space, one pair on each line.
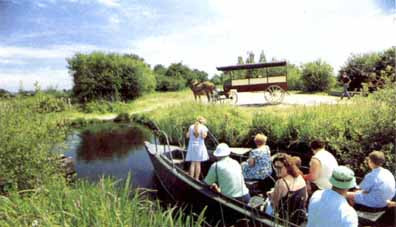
317,76
102,106
109,76
373,69
27,138
294,80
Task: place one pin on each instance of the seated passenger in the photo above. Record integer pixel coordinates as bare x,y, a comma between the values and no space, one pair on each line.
329,208
258,166
289,196
225,175
321,166
377,187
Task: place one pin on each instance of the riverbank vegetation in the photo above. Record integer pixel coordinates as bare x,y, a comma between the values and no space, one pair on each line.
351,130
33,191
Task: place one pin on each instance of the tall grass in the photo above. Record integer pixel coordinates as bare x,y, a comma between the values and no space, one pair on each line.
350,130
107,203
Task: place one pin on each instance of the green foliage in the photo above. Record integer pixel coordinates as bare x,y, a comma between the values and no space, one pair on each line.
108,203
294,80
176,76
373,69
109,76
317,76
27,138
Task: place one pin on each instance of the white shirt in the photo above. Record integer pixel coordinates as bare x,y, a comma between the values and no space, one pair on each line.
327,208
327,163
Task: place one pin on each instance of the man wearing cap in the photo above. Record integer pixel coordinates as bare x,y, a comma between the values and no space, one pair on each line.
329,207
225,175
377,187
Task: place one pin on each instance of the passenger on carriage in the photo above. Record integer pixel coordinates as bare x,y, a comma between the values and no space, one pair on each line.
225,175
321,166
289,196
377,187
329,207
258,166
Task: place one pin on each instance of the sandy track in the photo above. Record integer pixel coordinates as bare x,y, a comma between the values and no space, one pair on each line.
257,98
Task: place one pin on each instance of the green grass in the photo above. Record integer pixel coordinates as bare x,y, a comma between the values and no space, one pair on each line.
107,203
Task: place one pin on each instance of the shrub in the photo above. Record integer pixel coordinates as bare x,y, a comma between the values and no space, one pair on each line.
371,68
27,139
109,76
317,76
294,80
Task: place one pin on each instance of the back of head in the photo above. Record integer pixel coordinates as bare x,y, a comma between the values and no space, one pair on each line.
317,144
377,157
200,120
260,139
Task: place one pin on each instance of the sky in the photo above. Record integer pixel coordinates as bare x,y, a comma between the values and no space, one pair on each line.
37,36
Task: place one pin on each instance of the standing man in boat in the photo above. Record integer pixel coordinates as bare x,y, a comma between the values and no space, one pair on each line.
321,166
196,151
330,208
225,175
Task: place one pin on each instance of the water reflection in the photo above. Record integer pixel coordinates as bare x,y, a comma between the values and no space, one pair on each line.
112,150
112,142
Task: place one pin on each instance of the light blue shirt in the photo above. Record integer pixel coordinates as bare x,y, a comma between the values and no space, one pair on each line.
380,185
229,177
327,208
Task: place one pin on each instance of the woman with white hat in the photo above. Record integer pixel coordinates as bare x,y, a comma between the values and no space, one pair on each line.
225,175
196,151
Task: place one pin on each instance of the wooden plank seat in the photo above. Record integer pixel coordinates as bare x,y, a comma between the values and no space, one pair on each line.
369,217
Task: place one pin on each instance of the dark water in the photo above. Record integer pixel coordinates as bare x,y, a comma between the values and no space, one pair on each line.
112,150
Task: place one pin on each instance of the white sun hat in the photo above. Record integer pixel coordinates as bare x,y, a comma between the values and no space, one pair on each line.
222,150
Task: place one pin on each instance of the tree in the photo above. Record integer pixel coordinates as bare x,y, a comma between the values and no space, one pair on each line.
109,76
317,76
373,69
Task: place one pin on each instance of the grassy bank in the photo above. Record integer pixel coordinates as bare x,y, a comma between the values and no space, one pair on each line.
33,191
350,130
107,203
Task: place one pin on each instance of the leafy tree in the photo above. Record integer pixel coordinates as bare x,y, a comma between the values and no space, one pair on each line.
294,80
317,76
109,76
370,68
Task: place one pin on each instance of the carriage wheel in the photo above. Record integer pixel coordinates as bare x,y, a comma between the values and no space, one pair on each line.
233,97
274,94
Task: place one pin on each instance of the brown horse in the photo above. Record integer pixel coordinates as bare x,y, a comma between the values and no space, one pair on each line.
202,88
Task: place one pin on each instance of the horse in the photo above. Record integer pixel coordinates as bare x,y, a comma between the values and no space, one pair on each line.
202,88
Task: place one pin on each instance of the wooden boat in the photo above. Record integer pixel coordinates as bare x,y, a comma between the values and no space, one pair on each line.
169,166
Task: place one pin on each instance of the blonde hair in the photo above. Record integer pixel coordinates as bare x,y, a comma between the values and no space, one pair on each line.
200,120
260,139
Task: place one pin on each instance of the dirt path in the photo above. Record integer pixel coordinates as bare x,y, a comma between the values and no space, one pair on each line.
257,98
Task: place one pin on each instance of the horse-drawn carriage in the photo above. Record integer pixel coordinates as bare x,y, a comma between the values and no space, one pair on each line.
270,78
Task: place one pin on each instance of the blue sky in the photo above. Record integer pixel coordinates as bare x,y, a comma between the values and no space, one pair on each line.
37,36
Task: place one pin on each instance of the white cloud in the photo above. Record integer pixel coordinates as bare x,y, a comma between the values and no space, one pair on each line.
299,31
59,51
46,77
110,3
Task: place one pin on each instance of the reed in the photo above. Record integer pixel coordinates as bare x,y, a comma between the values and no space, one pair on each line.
107,203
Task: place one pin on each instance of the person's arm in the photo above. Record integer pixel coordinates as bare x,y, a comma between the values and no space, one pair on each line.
188,133
204,131
211,176
314,170
280,190
367,183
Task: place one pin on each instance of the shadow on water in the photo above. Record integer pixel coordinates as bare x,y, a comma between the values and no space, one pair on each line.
112,150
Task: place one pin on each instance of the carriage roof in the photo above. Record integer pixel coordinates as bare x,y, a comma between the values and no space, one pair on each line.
252,66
